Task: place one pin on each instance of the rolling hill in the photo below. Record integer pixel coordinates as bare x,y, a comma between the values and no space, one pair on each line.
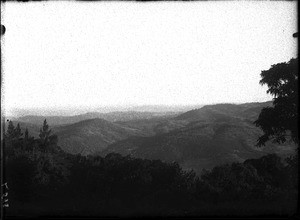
248,111
199,146
212,135
200,138
89,136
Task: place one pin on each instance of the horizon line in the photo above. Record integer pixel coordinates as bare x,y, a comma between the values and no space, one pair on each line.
80,110
133,105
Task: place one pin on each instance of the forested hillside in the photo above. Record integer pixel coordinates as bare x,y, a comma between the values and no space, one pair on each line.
43,180
89,136
197,139
204,138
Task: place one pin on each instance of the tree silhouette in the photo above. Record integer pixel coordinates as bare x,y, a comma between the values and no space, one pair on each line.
46,139
10,133
26,135
279,123
18,132
44,132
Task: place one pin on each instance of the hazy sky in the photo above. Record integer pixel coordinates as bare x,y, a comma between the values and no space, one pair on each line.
59,54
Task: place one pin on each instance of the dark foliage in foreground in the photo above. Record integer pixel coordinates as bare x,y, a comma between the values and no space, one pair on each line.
44,180
282,82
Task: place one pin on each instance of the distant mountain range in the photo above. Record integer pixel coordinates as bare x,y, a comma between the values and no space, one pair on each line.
15,113
196,139
111,116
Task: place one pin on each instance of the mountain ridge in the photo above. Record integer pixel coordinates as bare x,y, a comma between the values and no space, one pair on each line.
194,138
111,116
213,135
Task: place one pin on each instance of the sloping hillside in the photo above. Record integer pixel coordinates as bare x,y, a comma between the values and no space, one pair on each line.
248,111
155,126
199,146
89,136
213,135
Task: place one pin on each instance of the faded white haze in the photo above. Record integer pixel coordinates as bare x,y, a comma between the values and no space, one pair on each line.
74,54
